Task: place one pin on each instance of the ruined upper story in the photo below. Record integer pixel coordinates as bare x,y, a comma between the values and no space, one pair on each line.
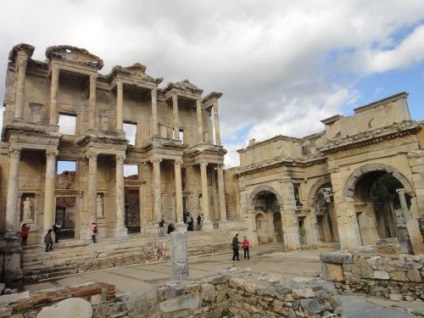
66,95
381,118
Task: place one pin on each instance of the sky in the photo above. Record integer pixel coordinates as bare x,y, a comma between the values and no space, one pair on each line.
282,66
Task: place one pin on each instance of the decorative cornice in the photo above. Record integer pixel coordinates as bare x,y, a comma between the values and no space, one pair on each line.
28,49
135,71
184,86
74,55
371,137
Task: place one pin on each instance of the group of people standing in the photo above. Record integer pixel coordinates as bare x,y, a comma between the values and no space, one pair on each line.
236,244
189,220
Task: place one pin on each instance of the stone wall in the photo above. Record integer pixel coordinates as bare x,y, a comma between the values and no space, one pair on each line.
235,293
397,277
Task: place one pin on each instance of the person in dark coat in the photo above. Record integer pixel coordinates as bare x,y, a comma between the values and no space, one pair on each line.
171,228
235,244
24,234
48,240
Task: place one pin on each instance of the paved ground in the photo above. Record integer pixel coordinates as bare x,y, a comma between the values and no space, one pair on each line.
265,258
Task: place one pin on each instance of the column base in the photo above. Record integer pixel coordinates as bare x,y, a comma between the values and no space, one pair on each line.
181,227
152,229
121,232
207,226
12,272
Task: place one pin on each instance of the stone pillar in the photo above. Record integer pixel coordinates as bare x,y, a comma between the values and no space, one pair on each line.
175,116
119,106
288,216
49,192
179,253
54,88
120,195
206,221
368,225
155,130
347,223
157,190
412,225
199,121
12,206
311,225
216,121
21,63
92,101
92,187
221,194
178,191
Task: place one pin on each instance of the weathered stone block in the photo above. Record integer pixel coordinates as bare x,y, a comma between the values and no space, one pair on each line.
332,272
399,276
381,275
68,308
336,258
190,301
414,275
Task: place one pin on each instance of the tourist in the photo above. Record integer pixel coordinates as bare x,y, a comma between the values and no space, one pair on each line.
199,222
48,240
171,228
189,221
246,245
185,214
235,245
161,227
24,234
56,228
94,231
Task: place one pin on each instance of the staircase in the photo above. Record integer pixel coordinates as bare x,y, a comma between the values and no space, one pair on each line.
76,256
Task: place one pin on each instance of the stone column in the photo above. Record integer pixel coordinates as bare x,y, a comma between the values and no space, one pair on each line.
175,116
155,130
199,121
221,194
288,216
216,121
92,101
21,63
178,191
12,206
412,225
54,87
119,105
120,195
92,187
311,224
206,221
347,222
49,191
179,253
157,190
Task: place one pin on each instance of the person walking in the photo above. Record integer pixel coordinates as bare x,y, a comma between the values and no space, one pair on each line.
162,227
56,228
48,240
199,222
94,231
24,234
189,222
235,244
246,245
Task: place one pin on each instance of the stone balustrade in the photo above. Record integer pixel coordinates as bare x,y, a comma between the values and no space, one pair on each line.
234,293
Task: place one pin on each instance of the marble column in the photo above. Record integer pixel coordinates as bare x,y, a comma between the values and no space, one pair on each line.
179,254
54,88
21,63
347,222
12,205
199,121
92,187
221,194
403,205
92,101
289,218
119,106
120,195
216,122
178,191
157,195
49,191
155,130
175,116
206,221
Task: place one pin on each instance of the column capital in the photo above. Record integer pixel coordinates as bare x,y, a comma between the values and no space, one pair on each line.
174,96
204,164
52,153
14,153
93,76
92,155
120,158
156,160
154,92
401,191
119,85
178,162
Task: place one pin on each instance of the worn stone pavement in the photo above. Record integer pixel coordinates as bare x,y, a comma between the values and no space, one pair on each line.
264,258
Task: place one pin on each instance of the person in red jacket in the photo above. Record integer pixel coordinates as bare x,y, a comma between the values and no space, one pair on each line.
24,234
246,245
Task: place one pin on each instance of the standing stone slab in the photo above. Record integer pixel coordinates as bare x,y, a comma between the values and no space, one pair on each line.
179,254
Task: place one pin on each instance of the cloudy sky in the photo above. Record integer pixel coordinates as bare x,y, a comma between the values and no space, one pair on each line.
281,65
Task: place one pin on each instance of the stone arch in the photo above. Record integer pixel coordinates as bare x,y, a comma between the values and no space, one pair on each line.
349,187
263,188
314,189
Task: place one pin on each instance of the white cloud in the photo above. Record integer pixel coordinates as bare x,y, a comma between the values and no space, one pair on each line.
282,65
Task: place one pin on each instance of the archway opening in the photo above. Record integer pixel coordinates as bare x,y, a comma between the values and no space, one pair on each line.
326,214
268,218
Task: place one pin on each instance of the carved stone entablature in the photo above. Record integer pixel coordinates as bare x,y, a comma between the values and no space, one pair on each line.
211,98
28,49
136,71
372,137
26,132
184,86
91,139
74,55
